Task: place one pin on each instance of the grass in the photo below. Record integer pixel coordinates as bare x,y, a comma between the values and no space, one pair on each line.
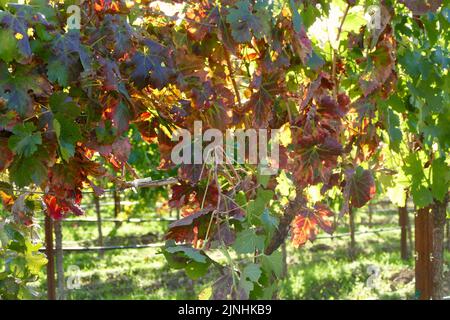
319,270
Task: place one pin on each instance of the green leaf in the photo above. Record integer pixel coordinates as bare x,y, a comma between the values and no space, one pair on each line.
309,15
189,252
24,140
57,72
256,207
246,286
16,87
68,134
420,192
269,222
440,178
18,25
25,171
296,18
247,242
8,48
396,103
397,194
392,122
252,271
35,260
241,199
195,270
285,185
422,196
273,263
263,179
63,105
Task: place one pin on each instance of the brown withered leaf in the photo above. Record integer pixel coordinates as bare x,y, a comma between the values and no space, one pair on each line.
420,7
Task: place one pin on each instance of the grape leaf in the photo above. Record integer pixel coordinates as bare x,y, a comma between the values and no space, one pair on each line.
440,178
68,58
17,24
273,263
6,156
244,23
24,171
16,88
306,223
247,242
362,187
68,134
189,252
151,66
63,105
392,123
252,271
195,270
8,49
420,7
420,192
24,140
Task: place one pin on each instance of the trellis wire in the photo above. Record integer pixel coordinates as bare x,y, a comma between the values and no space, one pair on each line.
130,220
104,248
161,244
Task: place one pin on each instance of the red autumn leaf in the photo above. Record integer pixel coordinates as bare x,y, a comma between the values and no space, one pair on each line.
147,127
181,194
191,228
261,101
121,149
382,65
194,195
329,148
200,19
165,145
109,6
361,187
307,224
302,45
6,155
54,210
192,173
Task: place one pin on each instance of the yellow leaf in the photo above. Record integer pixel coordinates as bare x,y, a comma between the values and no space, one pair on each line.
205,294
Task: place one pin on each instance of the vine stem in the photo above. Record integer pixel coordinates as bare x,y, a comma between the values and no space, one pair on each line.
342,22
233,81
335,53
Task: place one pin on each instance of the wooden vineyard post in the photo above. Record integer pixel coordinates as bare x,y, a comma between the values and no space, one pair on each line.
370,211
99,223
284,261
410,237
352,233
448,234
439,213
51,287
403,222
424,250
59,259
116,197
